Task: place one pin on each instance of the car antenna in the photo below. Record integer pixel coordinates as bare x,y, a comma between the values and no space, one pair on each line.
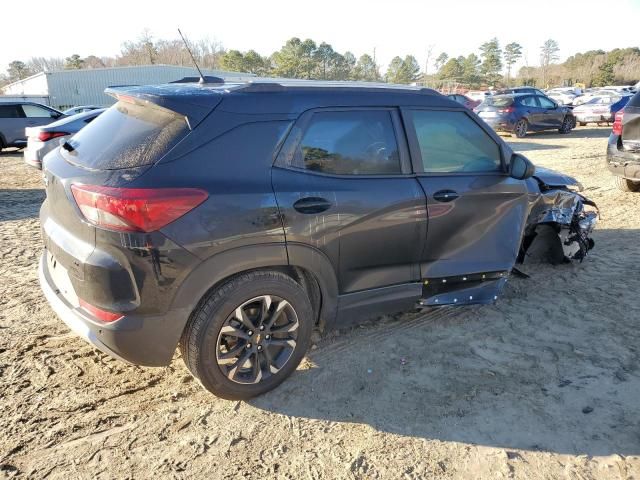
201,81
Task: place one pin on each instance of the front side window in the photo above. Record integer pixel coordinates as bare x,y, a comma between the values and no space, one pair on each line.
451,142
350,143
546,103
33,111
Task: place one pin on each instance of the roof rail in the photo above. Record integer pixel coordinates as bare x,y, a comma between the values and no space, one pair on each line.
207,79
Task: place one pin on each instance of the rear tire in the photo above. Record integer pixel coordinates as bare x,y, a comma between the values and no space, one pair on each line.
520,129
229,344
627,185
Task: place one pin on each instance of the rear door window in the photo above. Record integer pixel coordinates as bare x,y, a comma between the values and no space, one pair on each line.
126,135
529,102
10,111
451,142
349,143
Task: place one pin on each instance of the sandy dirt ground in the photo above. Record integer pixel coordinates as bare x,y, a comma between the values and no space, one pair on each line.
545,384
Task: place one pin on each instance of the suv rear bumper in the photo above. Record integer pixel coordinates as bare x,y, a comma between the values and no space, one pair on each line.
622,163
146,341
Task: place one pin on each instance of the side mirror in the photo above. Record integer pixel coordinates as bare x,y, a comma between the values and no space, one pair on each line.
520,167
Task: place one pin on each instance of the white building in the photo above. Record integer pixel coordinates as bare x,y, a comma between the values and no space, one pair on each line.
67,88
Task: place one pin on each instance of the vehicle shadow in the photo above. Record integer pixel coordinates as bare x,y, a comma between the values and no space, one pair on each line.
543,369
18,204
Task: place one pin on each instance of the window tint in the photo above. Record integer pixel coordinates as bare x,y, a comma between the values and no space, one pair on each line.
33,111
498,101
529,102
350,143
127,135
10,111
452,142
546,103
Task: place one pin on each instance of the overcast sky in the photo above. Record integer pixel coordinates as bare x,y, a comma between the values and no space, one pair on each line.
397,27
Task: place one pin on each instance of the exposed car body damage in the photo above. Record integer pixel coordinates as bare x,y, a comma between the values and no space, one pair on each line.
557,230
560,222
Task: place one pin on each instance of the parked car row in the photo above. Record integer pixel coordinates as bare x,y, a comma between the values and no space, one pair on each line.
41,128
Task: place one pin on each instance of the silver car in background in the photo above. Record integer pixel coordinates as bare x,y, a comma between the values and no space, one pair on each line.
42,140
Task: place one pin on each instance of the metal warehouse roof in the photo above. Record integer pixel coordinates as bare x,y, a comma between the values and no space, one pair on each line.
66,88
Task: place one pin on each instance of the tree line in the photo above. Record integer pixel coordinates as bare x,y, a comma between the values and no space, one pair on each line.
490,66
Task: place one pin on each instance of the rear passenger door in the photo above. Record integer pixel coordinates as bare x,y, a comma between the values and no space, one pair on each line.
476,210
344,187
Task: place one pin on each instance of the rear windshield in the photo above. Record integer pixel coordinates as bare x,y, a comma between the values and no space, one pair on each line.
498,101
126,135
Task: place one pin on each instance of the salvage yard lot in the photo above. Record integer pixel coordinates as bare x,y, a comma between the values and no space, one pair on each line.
544,384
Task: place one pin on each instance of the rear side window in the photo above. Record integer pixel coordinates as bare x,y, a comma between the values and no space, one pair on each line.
451,142
498,101
127,135
10,111
349,143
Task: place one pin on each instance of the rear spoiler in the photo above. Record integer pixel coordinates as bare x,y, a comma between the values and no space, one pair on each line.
192,102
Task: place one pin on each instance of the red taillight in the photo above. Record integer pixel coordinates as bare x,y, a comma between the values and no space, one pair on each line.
506,110
617,122
135,209
44,136
98,313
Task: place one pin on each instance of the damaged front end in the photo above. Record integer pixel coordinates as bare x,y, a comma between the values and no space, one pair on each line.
560,221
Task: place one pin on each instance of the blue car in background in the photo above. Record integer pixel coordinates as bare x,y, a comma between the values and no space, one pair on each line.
521,113
600,109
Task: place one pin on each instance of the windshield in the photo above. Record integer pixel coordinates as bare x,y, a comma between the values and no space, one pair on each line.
126,135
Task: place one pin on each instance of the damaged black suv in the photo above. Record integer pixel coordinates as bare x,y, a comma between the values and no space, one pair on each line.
231,220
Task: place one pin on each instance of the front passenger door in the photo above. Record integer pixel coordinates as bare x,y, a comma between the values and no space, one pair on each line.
552,115
476,210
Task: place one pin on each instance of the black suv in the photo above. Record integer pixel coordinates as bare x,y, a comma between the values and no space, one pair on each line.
233,219
623,150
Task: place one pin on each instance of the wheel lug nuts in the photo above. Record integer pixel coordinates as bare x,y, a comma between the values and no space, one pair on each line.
250,332
259,348
248,345
267,337
261,327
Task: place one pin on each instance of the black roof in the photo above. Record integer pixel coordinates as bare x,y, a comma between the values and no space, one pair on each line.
262,96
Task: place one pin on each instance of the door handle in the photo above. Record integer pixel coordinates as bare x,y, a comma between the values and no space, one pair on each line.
445,195
312,205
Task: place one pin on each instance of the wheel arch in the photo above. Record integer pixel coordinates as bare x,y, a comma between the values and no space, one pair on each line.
306,265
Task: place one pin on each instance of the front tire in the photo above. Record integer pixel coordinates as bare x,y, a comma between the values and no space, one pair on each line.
627,185
248,335
520,130
567,125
